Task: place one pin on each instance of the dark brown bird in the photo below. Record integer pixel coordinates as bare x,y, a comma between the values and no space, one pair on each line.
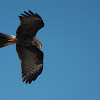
27,45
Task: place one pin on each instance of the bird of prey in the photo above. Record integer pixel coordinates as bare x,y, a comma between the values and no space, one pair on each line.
27,45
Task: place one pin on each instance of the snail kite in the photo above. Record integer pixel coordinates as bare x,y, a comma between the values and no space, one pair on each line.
27,45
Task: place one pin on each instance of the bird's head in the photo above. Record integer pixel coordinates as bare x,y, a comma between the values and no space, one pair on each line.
36,42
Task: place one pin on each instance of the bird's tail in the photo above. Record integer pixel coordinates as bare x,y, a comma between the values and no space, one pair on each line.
6,40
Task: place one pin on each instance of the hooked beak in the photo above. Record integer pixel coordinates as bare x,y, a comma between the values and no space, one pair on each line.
39,45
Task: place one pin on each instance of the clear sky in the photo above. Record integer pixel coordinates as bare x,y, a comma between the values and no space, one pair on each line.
71,46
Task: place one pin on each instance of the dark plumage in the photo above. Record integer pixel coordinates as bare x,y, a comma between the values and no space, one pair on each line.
29,25
31,62
27,46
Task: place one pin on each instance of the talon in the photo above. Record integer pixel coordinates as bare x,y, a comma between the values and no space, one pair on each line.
11,40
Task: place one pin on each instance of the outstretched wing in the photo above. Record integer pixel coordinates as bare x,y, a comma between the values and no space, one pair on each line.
30,23
31,62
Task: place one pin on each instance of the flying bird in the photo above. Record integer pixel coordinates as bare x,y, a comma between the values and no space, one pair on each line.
27,45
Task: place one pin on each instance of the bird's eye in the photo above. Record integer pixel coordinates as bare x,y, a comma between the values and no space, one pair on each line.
36,42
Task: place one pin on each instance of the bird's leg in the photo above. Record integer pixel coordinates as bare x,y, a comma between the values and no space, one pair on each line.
12,40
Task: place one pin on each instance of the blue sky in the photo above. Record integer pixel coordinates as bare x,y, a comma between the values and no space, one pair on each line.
71,46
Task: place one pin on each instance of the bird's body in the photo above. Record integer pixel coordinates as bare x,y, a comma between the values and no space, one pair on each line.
27,45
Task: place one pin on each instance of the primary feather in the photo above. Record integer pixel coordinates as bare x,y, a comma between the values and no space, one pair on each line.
27,46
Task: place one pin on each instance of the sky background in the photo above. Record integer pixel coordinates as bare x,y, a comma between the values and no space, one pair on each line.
71,46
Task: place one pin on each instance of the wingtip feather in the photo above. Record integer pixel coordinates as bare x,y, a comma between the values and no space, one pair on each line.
30,12
27,13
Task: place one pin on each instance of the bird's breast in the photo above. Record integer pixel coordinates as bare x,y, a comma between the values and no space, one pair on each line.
24,41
